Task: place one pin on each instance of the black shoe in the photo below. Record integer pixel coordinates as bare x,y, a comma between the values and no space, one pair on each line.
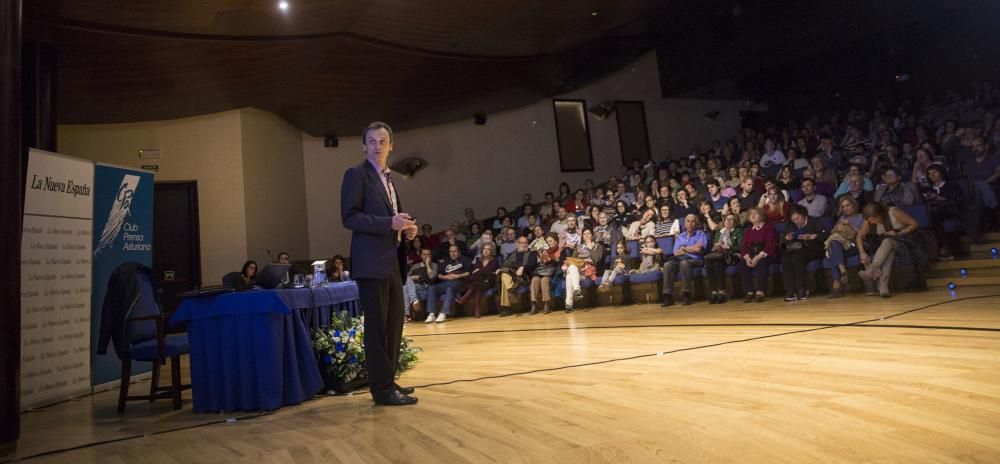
790,297
804,295
713,299
668,300
722,299
396,399
759,298
505,312
749,298
403,390
687,299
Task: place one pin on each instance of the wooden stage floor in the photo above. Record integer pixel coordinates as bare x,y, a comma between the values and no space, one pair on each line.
816,381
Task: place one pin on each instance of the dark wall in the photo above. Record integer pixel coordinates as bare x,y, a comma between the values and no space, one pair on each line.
11,191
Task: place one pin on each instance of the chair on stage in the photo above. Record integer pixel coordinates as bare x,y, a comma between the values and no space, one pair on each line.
231,279
142,327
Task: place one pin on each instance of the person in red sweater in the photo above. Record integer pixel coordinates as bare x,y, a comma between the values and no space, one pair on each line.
759,251
577,204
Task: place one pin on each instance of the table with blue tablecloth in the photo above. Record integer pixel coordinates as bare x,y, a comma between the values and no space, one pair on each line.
253,351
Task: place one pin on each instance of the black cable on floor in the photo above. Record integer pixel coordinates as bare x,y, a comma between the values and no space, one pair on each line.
817,327
721,324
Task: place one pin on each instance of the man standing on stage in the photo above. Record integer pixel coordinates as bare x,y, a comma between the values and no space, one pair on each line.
370,207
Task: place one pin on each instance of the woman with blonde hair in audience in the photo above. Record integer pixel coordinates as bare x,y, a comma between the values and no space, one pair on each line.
773,203
890,229
733,177
841,243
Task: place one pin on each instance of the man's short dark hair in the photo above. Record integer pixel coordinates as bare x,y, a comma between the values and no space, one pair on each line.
550,194
808,179
712,181
375,126
284,253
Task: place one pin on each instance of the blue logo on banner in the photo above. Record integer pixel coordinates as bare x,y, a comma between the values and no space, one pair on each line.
123,213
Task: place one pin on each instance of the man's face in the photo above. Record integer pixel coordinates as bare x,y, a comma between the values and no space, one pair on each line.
426,228
425,255
808,188
284,259
526,198
532,219
510,235
602,219
890,177
798,219
690,223
713,189
378,145
855,183
748,185
449,235
978,146
522,244
549,198
453,252
620,187
469,214
561,213
588,184
570,221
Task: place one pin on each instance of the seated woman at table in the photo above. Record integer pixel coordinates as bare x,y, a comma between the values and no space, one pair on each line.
482,277
248,276
335,273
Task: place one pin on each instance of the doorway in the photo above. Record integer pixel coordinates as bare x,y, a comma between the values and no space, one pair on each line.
177,255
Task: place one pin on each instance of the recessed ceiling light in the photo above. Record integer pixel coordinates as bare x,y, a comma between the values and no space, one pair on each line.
283,6
595,13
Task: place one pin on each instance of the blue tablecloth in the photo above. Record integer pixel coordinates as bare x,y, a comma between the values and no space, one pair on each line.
252,350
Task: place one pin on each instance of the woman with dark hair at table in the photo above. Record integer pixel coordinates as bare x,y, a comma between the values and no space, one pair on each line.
248,276
482,278
335,273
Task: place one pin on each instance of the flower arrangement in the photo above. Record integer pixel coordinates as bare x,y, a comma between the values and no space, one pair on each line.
341,352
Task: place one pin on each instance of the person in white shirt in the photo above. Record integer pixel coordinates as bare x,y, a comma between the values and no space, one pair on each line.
772,156
815,204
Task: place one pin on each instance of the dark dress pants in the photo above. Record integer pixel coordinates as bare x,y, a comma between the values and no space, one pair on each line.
381,300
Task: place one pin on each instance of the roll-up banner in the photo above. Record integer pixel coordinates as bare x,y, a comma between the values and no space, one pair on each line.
123,231
56,281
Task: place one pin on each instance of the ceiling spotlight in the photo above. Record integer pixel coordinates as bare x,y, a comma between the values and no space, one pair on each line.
595,13
283,6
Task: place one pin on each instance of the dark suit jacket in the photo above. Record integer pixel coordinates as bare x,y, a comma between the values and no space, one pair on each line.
366,210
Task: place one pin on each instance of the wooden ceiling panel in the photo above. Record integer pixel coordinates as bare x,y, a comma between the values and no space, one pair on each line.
328,67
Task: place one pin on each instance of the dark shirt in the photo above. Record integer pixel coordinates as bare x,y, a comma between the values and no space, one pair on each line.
455,266
980,170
